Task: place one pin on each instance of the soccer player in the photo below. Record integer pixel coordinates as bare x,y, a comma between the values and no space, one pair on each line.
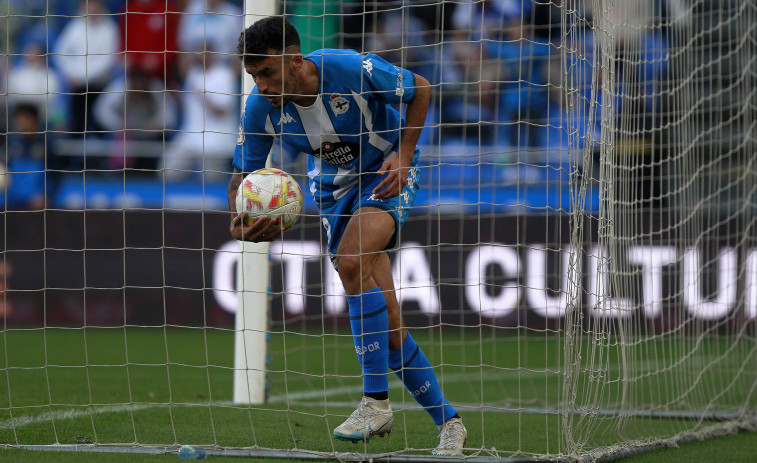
336,106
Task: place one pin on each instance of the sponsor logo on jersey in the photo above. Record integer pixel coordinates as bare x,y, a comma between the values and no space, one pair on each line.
368,66
339,153
285,119
339,104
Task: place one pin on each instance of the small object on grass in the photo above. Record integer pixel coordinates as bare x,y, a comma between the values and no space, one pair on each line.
189,452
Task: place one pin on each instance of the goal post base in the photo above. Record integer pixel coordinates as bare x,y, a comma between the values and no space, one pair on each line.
251,324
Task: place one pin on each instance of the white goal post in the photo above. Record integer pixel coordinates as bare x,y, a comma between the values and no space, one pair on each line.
579,266
251,327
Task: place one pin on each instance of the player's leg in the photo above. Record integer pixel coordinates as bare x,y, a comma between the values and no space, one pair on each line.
412,367
364,239
366,272
383,276
363,242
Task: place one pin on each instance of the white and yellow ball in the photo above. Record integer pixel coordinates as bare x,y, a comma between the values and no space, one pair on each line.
270,192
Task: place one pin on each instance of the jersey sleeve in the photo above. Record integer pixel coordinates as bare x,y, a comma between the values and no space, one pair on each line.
372,76
253,140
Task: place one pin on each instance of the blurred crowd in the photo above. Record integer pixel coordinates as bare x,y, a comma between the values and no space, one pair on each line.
160,76
98,73
501,71
136,70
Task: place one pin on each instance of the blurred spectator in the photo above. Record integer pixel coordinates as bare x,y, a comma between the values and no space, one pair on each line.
522,94
211,107
417,48
212,25
138,108
414,48
568,111
37,17
33,81
27,182
471,77
501,54
485,19
22,18
149,31
87,53
469,93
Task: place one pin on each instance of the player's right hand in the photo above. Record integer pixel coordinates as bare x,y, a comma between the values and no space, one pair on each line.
262,229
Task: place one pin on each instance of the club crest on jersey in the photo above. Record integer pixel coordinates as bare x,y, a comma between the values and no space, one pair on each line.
339,104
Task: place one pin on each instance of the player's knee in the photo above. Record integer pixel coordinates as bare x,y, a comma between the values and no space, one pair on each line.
349,267
353,271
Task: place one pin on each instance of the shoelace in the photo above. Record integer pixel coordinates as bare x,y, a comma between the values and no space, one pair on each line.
358,416
451,434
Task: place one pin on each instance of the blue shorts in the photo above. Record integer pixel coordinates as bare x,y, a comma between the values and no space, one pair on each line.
334,218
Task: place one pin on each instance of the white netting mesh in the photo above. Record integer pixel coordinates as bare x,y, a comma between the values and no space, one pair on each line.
579,266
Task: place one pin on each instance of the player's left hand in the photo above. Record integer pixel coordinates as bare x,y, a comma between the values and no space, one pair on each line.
395,169
261,229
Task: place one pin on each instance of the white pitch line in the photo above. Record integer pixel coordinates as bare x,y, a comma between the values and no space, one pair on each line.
83,411
453,378
393,381
26,420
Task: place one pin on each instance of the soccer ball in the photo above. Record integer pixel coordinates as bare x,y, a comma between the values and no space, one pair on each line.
270,192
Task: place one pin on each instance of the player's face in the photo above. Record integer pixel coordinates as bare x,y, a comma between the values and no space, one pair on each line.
276,79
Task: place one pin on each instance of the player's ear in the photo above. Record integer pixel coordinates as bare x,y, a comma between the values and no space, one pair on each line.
297,61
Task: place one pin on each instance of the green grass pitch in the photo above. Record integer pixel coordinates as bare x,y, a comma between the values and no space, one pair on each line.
173,386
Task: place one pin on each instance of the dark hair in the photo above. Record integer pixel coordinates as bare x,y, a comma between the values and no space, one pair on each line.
271,33
26,109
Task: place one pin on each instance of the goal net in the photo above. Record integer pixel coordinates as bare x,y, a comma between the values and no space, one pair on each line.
579,265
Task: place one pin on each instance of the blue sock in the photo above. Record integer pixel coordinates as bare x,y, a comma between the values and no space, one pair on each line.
369,319
419,378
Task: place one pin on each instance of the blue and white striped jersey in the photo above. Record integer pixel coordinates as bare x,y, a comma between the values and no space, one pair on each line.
350,129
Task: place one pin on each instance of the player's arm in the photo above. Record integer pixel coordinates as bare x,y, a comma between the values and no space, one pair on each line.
262,229
236,180
396,167
252,140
